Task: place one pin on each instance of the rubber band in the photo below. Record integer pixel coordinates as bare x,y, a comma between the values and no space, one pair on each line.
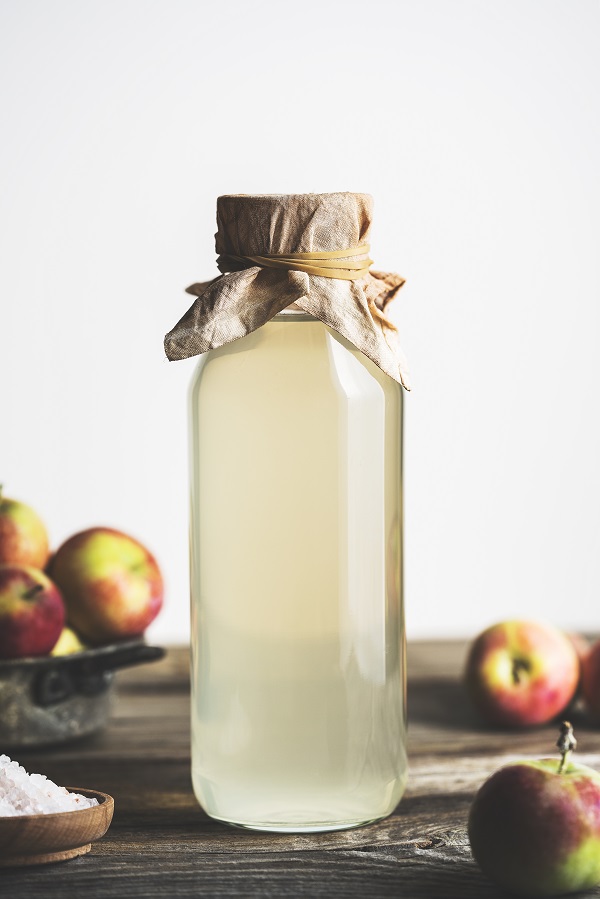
330,264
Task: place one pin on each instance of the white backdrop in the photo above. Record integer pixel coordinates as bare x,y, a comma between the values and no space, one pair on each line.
474,124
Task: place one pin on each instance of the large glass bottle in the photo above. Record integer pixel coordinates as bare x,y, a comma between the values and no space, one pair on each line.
298,662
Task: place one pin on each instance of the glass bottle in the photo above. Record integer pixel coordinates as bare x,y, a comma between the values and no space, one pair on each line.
298,659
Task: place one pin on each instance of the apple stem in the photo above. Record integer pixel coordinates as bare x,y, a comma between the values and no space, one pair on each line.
519,667
566,744
33,591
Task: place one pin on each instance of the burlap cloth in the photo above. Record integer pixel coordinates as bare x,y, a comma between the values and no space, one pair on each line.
247,296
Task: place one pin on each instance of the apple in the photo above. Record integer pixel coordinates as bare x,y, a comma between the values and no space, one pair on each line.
590,681
111,584
23,536
534,826
32,612
521,673
582,648
581,644
68,643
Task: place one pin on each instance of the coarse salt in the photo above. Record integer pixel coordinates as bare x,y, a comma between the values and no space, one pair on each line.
33,794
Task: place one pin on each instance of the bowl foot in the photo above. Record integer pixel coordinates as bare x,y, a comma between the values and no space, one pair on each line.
13,861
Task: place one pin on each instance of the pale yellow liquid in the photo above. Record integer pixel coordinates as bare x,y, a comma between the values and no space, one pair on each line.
298,703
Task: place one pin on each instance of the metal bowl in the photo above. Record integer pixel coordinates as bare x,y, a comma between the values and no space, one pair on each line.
53,699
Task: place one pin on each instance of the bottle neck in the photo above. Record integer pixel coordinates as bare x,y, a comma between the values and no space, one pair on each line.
294,313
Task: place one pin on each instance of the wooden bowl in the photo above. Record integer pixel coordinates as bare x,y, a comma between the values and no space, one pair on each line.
39,839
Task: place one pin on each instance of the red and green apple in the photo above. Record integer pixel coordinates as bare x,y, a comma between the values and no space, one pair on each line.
111,584
32,612
534,826
23,536
68,643
590,681
521,673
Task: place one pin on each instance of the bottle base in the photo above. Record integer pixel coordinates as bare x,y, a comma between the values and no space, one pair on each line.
292,811
308,827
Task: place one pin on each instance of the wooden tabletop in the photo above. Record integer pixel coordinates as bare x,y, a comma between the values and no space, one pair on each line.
161,844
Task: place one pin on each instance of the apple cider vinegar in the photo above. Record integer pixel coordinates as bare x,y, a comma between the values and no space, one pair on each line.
298,681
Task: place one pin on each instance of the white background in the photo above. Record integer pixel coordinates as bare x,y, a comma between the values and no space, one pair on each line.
474,124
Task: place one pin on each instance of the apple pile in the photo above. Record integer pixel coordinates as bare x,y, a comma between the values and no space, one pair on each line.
101,585
523,673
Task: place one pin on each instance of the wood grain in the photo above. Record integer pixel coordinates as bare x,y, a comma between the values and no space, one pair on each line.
161,844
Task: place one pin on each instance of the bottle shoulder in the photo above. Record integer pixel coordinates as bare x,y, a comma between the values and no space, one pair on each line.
292,348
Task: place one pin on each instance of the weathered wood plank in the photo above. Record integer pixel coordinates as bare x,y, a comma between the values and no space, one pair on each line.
161,844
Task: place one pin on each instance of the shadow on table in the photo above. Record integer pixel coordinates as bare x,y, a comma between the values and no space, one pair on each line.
442,703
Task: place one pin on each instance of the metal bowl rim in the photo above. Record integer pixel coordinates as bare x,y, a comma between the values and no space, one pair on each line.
28,662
